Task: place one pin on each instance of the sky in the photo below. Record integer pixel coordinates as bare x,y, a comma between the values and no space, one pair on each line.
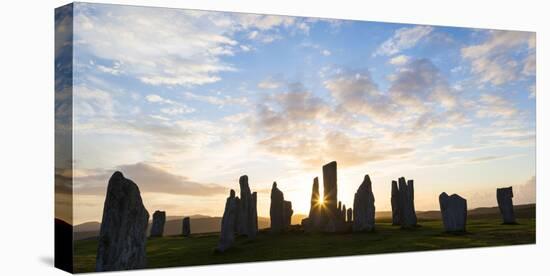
184,102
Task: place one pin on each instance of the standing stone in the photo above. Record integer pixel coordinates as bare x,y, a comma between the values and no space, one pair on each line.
363,207
343,213
159,219
350,215
339,210
505,204
395,203
313,221
254,214
330,194
407,213
186,227
123,232
227,234
276,209
287,214
247,221
453,212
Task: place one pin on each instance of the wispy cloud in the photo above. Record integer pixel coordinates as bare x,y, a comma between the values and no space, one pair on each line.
171,46
403,39
494,60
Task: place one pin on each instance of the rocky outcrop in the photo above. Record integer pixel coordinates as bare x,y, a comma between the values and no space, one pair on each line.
247,219
159,219
186,227
453,212
350,215
363,207
227,234
276,209
123,234
505,205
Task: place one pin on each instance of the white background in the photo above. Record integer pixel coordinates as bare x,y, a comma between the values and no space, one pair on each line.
27,124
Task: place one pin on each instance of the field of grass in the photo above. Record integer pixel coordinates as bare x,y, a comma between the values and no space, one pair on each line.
199,249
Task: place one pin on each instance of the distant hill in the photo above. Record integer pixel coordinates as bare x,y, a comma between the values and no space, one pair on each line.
199,224
206,224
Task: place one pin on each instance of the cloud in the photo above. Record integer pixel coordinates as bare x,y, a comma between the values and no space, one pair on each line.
170,46
496,61
399,60
300,125
150,179
322,50
175,108
403,38
92,103
357,92
217,100
270,83
494,106
154,98
532,91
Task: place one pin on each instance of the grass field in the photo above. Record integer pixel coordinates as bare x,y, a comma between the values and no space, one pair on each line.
199,249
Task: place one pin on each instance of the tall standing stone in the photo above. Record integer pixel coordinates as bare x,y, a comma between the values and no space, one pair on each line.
287,214
395,204
123,232
363,207
276,209
227,234
159,219
247,221
330,194
349,215
186,227
254,213
453,212
407,212
313,221
505,205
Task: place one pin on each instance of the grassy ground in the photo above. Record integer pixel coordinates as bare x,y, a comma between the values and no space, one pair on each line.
199,249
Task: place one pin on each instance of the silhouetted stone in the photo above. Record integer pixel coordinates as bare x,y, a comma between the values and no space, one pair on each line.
407,213
247,221
123,232
287,214
276,209
227,234
395,203
186,227
505,204
314,219
254,213
159,219
350,215
343,213
453,212
330,212
363,207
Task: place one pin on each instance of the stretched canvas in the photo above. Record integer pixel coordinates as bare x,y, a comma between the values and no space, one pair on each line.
190,137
